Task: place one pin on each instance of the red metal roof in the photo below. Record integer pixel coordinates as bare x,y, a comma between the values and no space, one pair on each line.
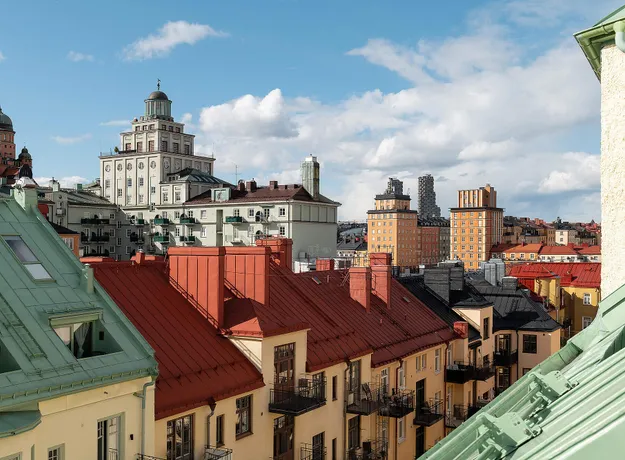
579,274
501,247
339,327
196,364
557,251
591,251
277,193
526,248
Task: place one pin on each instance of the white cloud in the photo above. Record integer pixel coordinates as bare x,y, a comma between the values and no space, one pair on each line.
115,123
71,140
167,38
578,171
2,57
75,56
477,108
66,182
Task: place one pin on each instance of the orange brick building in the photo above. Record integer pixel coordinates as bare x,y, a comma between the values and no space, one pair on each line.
476,225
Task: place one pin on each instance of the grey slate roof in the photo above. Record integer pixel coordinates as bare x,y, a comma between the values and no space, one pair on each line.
195,175
82,198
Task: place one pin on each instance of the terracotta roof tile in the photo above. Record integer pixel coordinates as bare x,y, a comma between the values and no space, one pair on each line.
280,193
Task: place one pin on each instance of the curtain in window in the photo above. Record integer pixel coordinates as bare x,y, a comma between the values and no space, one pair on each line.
80,335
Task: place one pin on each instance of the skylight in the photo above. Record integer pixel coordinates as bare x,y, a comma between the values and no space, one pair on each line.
28,259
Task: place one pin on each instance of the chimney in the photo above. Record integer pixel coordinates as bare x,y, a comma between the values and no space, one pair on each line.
87,273
381,276
250,185
281,250
461,328
438,280
139,257
360,286
273,184
241,186
323,265
199,274
25,193
55,185
310,176
509,282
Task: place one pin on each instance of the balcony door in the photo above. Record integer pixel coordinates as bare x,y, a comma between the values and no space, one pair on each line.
504,343
283,428
420,394
420,442
284,368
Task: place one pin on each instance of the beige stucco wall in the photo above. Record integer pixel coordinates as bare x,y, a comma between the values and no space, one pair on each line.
73,420
612,171
573,300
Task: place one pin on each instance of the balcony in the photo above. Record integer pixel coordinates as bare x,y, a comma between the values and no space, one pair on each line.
428,413
365,400
234,220
94,221
369,450
84,238
484,373
297,400
137,239
398,404
161,221
148,457
187,239
217,453
459,372
310,452
99,238
140,222
456,416
158,238
506,357
184,220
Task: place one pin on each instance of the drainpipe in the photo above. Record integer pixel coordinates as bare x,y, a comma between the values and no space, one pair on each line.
142,395
397,420
212,405
619,35
445,386
517,353
345,389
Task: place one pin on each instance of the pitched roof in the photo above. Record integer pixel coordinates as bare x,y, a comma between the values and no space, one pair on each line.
557,251
62,230
196,364
524,248
36,364
591,251
340,328
501,247
576,274
575,391
279,193
197,176
514,309
82,198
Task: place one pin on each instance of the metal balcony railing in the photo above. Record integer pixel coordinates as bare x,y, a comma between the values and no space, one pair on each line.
506,357
370,450
298,399
158,238
161,221
456,416
428,413
364,400
148,457
187,220
459,372
398,404
100,238
312,452
234,220
140,222
187,239
217,453
94,221
485,372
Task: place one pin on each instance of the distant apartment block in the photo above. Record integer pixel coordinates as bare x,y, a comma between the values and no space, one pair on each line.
427,198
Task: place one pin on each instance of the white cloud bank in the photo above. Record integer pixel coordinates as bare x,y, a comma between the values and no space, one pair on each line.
71,140
75,56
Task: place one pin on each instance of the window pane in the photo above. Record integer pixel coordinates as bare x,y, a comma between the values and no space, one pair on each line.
38,272
23,253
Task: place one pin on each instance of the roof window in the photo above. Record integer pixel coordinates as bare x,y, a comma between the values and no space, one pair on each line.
28,259
84,334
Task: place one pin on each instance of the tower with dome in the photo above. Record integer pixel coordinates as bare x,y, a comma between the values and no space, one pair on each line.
12,168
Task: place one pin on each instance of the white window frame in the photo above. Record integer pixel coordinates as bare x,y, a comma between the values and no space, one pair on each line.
437,360
586,321
60,452
401,377
282,212
203,232
401,429
589,297
203,214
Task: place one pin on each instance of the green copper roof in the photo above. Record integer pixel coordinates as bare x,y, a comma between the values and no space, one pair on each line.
601,34
571,405
35,364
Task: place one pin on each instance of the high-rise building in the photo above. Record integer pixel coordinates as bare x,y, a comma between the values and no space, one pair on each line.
427,198
476,225
392,226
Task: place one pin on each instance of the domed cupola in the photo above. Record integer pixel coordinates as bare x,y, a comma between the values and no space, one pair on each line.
6,124
158,105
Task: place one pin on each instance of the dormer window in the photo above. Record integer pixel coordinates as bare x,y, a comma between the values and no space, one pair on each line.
27,258
84,334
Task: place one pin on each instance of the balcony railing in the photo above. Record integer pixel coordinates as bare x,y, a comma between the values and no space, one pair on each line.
137,239
398,404
187,239
307,395
217,453
456,415
234,220
459,372
94,221
369,450
188,220
161,221
140,222
311,452
364,400
148,457
505,357
164,239
428,413
100,238
484,373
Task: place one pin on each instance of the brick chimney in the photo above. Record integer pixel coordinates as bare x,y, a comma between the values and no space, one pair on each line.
139,257
323,265
199,273
381,276
250,186
360,286
241,186
461,328
273,184
281,249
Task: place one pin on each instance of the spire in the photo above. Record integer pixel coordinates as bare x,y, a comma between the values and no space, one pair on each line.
158,84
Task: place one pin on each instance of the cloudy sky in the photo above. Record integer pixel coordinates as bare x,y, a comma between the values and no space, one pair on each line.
471,92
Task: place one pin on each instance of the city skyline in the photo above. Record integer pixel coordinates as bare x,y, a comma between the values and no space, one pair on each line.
391,103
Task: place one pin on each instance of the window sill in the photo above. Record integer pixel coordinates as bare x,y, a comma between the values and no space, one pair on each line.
244,435
400,440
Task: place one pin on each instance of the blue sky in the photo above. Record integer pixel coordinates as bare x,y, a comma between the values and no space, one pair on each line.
372,88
